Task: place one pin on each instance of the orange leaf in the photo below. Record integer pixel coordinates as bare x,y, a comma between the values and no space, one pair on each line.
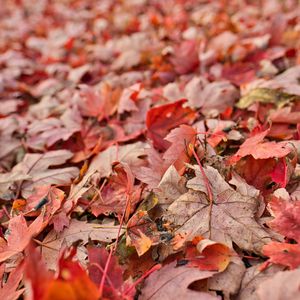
208,255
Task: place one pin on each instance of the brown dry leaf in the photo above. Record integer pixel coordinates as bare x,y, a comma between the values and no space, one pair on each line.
228,281
172,282
101,165
283,285
170,187
252,277
36,167
77,231
232,216
6,180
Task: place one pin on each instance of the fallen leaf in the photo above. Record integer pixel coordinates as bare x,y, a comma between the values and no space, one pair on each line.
50,197
172,280
229,281
287,219
207,255
36,166
45,133
77,231
251,280
255,146
179,152
282,285
162,118
283,254
152,173
91,102
101,166
10,289
257,172
71,281
120,195
171,186
217,96
19,235
186,59
114,286
224,222
265,95
141,232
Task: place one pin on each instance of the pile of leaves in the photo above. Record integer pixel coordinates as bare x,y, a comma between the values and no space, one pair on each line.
149,149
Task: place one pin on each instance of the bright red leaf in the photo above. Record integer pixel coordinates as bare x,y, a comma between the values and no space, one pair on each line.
161,119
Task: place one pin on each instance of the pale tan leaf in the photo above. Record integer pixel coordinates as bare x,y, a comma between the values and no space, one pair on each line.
77,231
231,218
172,282
283,285
251,280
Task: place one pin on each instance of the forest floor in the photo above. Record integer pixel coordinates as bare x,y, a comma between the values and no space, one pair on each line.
149,149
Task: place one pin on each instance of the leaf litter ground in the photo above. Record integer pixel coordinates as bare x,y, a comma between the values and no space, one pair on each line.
149,149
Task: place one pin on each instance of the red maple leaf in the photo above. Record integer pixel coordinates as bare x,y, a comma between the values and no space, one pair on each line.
162,118
255,146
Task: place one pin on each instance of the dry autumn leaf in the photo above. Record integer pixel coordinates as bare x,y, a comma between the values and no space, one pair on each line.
149,135
230,219
77,231
19,235
282,285
172,280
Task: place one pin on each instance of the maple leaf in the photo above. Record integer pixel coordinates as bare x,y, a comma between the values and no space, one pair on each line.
19,235
283,254
129,97
45,133
7,179
253,278
91,103
280,173
287,218
119,195
186,59
142,232
257,172
255,146
36,166
9,290
9,143
51,197
77,231
171,186
229,281
152,174
114,286
71,281
282,285
162,118
230,219
207,255
171,280
265,95
102,166
179,152
213,98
